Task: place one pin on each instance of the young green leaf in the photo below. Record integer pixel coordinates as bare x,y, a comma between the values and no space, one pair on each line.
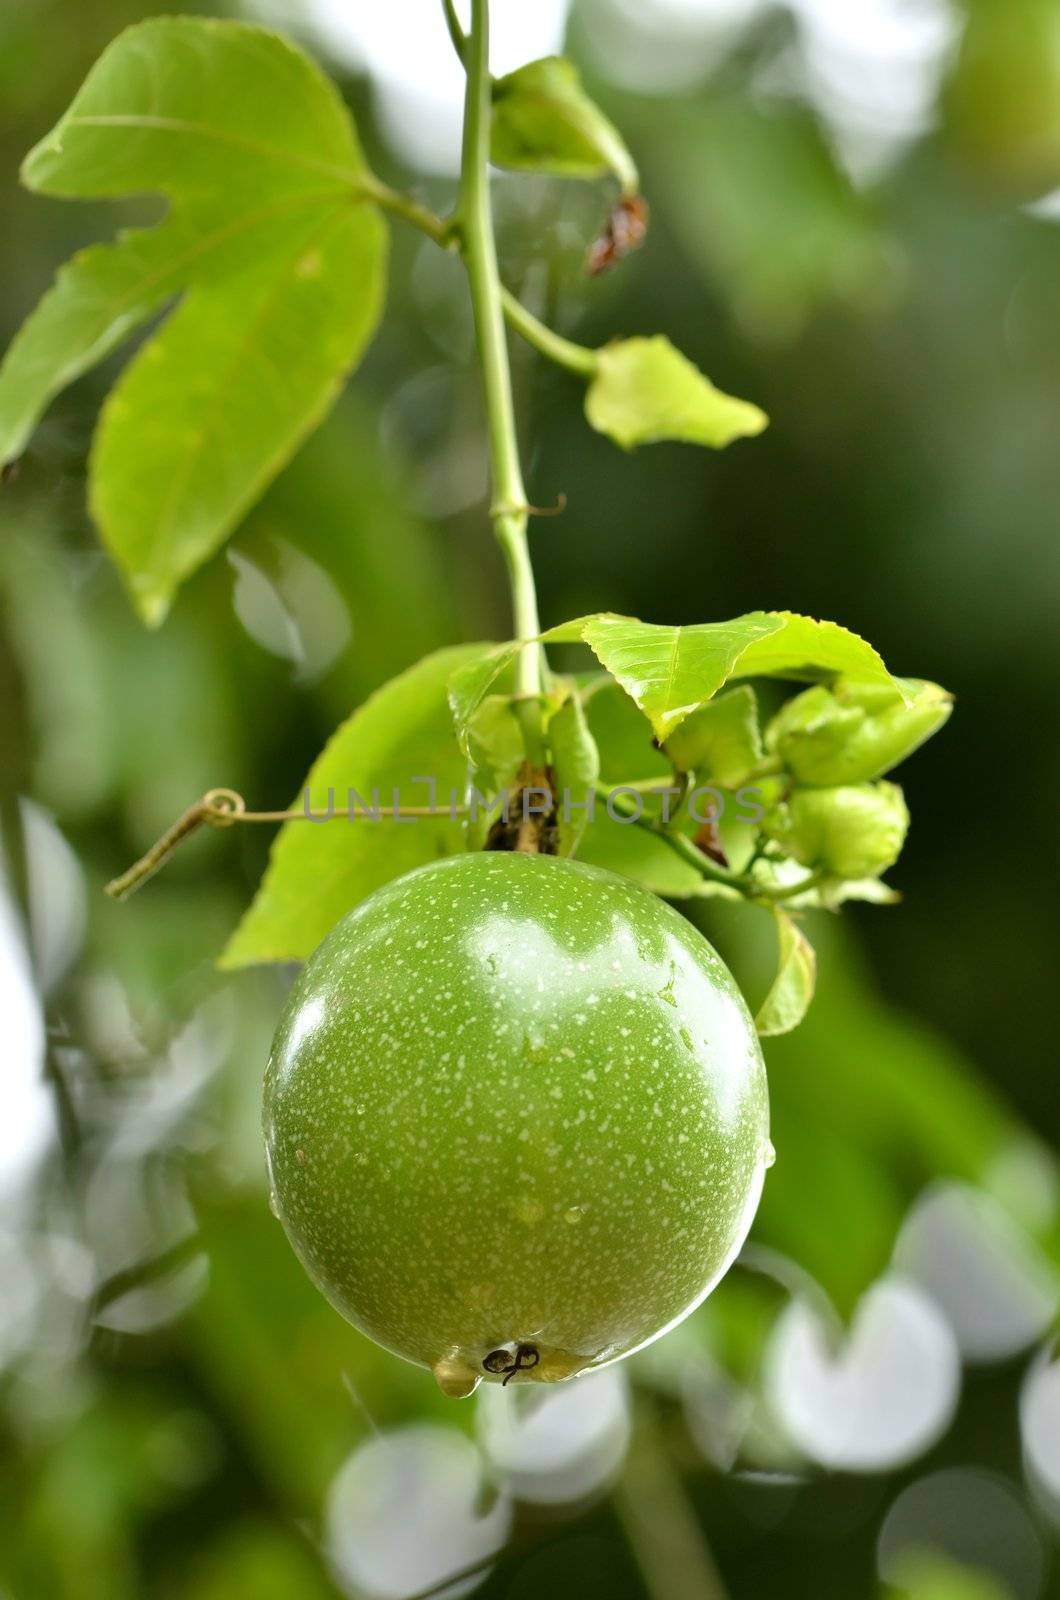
623,737
471,682
269,239
803,648
401,737
720,742
495,743
644,390
575,767
791,992
627,751
543,121
671,672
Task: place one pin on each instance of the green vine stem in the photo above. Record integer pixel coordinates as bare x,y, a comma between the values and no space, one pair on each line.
690,853
679,843
509,508
564,352
444,231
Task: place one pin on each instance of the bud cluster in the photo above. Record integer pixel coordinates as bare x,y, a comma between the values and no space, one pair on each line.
834,744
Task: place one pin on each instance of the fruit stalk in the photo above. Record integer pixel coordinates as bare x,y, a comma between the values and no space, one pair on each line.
509,509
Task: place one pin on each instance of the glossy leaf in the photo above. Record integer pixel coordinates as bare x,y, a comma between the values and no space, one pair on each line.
279,258
318,871
670,672
792,989
543,121
803,648
644,390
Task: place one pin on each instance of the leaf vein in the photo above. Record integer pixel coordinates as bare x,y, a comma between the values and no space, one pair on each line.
218,136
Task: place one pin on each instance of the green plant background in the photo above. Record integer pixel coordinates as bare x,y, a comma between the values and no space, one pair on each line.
175,1400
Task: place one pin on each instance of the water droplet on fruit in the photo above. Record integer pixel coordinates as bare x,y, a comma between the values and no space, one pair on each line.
769,1154
574,1214
455,1377
274,1204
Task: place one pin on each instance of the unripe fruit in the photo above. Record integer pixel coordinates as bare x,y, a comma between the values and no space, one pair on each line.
516,1118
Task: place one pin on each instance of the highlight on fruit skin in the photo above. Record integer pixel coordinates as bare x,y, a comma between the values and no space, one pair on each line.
516,1118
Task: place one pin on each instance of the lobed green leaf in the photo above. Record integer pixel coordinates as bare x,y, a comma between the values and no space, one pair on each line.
271,240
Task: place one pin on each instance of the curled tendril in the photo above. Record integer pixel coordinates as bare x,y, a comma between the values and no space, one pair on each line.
524,1359
223,807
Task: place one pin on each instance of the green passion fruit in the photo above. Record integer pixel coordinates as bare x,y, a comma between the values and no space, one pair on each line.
516,1118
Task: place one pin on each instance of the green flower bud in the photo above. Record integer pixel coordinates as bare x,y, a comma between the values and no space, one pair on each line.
854,732
856,831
